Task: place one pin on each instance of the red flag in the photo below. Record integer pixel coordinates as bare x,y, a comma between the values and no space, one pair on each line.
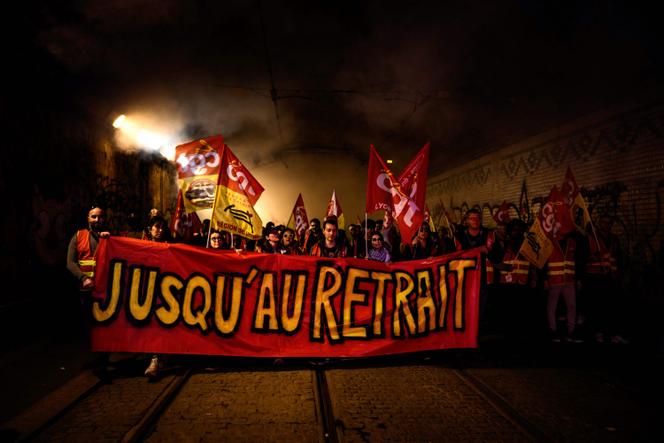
384,192
574,202
237,177
334,209
198,167
413,178
380,184
237,191
298,221
502,215
556,220
184,225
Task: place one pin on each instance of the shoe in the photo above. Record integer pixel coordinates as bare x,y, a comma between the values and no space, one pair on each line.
619,340
573,337
153,368
599,338
554,337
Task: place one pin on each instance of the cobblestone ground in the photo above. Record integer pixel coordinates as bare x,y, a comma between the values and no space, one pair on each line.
108,413
573,405
413,403
276,405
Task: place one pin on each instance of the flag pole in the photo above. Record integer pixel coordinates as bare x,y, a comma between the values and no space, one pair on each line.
214,204
366,240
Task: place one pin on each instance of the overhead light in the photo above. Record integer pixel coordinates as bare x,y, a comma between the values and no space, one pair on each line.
389,162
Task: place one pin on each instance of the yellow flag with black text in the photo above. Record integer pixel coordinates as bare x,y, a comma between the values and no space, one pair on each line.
237,191
537,246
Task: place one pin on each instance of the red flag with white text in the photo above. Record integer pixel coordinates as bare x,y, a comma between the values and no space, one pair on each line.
298,221
198,168
381,184
237,191
413,178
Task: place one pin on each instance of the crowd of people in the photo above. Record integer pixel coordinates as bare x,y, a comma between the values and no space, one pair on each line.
574,298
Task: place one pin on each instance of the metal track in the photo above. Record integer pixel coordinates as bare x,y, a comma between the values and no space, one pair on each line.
502,406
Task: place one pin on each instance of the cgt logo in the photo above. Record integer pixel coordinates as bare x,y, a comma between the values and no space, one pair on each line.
203,163
235,173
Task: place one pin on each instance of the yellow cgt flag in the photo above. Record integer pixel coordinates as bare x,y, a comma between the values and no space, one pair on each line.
537,246
234,213
237,191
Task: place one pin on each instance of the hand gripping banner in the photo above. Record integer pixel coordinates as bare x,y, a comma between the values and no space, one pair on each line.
179,299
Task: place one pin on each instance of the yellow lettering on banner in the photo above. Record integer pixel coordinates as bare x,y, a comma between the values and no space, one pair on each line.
426,306
102,315
227,325
443,290
322,303
266,296
288,322
196,318
170,313
351,298
379,300
405,287
137,310
460,266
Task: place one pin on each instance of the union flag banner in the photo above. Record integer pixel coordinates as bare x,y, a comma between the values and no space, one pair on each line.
385,192
334,209
298,221
502,215
237,191
381,184
575,202
537,245
198,167
556,215
413,178
179,299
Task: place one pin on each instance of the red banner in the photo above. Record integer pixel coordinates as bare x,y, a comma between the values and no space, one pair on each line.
179,299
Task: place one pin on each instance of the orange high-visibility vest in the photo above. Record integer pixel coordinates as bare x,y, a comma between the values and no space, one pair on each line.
86,259
560,266
520,270
601,261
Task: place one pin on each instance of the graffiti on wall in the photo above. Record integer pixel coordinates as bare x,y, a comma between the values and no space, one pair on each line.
618,135
641,235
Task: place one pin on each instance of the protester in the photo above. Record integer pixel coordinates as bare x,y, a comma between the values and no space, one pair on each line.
560,281
81,263
378,251
602,285
271,244
157,231
329,246
474,235
219,240
422,245
312,236
288,244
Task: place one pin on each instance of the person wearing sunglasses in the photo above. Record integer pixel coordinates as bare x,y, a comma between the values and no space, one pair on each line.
289,244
